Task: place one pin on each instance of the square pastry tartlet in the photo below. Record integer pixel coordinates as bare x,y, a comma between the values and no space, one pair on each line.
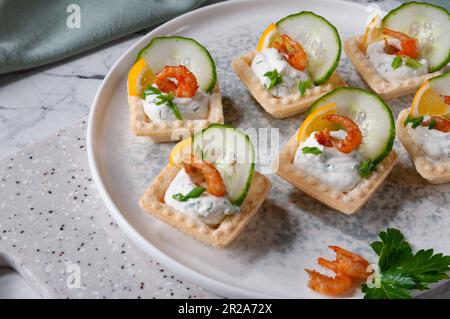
385,89
347,203
153,202
433,171
172,131
280,107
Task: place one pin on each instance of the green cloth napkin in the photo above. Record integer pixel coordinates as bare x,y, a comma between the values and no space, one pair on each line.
37,32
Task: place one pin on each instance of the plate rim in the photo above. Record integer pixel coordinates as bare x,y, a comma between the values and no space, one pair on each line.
204,281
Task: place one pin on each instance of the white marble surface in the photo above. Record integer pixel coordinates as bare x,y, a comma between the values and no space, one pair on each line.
37,103
34,105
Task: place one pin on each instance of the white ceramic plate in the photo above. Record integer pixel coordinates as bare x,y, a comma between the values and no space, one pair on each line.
290,230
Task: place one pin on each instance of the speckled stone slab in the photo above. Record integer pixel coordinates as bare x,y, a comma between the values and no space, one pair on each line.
52,222
51,217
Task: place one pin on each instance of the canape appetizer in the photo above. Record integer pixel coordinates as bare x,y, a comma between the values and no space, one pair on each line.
173,89
293,65
342,151
400,51
209,190
424,129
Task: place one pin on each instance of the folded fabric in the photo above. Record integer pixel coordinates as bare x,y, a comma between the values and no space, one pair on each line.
34,33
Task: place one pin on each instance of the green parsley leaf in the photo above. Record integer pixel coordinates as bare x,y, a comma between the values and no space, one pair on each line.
415,121
366,168
194,193
401,271
392,249
397,62
412,63
274,78
311,150
432,124
303,85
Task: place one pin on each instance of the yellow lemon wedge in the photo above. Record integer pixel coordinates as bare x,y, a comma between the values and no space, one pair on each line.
428,102
139,77
373,32
315,122
267,37
180,151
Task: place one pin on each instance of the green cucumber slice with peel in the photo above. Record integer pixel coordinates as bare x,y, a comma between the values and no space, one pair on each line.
320,40
429,24
441,84
371,113
162,51
233,155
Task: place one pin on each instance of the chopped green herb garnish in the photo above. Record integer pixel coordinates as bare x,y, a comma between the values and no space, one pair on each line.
303,85
400,271
194,193
412,63
415,121
150,90
311,150
163,99
397,62
432,124
366,168
168,99
274,78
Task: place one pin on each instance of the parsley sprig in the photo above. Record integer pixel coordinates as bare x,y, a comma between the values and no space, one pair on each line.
401,271
150,90
397,62
303,86
274,78
366,168
415,121
311,150
432,124
409,62
163,99
412,63
194,193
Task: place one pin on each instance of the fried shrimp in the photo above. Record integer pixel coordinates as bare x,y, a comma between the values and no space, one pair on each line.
440,123
324,284
409,46
185,85
292,51
350,264
346,266
351,141
204,174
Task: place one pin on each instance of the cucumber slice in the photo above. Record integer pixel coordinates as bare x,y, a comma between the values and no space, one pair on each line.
320,40
372,115
164,51
441,84
427,23
233,155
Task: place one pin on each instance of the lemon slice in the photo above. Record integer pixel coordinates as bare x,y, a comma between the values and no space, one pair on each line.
429,99
180,151
267,37
139,77
373,32
315,122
